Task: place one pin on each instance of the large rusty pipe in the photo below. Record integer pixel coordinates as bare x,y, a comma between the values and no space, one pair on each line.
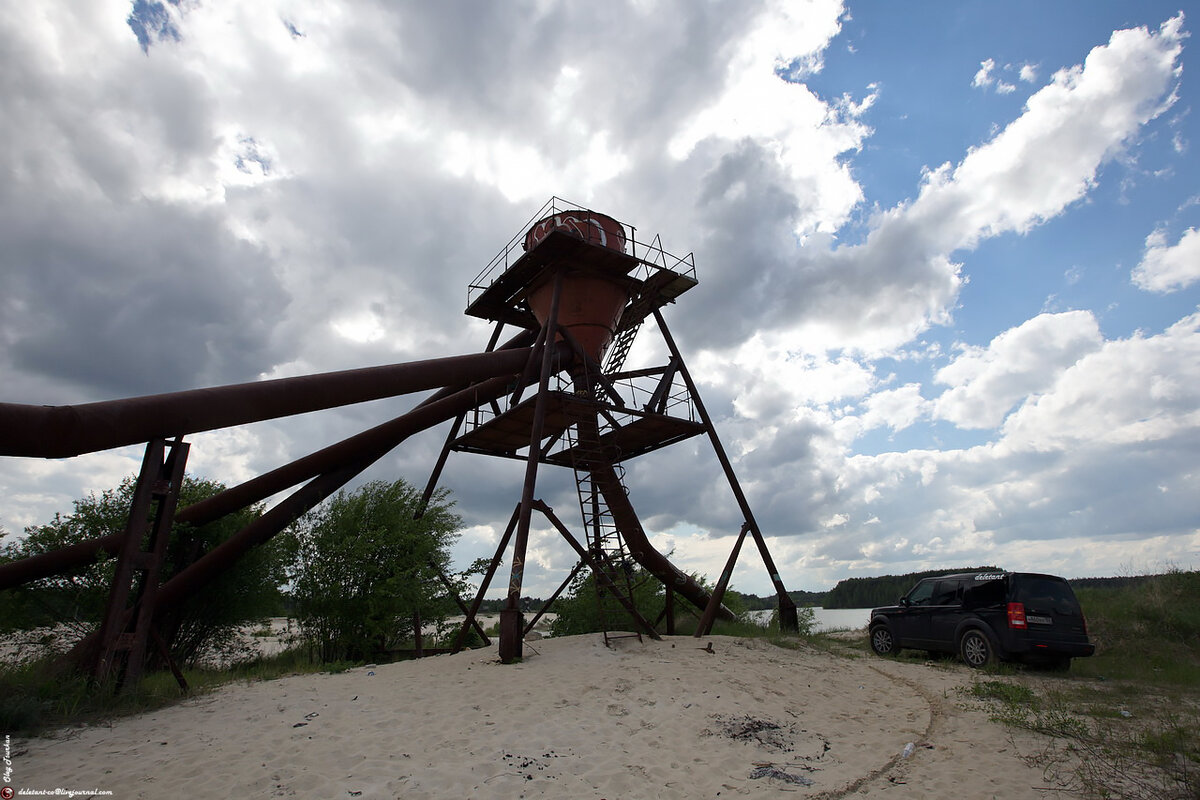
308,496
639,544
65,431
252,491
357,458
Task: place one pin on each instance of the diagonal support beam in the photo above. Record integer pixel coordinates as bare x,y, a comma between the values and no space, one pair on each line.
788,619
586,558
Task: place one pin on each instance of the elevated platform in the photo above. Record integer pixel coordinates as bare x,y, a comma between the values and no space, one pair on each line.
509,433
504,299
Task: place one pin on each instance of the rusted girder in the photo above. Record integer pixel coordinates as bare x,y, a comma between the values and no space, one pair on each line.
507,362
65,431
365,450
788,616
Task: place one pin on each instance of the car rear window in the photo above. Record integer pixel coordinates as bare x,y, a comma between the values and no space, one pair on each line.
985,593
1046,594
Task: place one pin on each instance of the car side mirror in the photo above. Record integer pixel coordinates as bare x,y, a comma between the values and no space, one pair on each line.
902,601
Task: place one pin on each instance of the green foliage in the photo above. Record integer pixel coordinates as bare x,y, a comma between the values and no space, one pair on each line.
204,624
1146,630
578,610
1094,746
806,618
884,590
364,565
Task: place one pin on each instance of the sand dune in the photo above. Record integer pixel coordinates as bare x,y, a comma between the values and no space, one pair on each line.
575,719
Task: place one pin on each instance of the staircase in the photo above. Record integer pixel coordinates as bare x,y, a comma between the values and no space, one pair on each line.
605,544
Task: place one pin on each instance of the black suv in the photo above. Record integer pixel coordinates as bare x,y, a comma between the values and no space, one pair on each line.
985,616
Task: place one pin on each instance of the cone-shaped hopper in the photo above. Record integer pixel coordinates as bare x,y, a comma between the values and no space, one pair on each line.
592,300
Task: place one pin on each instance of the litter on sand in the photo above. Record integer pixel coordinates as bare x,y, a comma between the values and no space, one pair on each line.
769,771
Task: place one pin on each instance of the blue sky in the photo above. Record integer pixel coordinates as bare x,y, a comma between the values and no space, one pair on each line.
948,261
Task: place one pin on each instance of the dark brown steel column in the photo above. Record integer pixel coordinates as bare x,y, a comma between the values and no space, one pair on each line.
718,595
510,616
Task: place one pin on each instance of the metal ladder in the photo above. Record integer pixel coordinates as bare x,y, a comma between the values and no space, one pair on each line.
605,543
622,342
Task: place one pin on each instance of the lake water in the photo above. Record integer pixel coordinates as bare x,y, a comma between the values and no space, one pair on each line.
829,619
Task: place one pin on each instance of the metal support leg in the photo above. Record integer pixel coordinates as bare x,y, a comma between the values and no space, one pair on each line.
788,620
510,617
126,628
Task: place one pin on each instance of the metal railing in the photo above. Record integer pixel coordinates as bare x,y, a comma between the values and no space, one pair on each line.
651,255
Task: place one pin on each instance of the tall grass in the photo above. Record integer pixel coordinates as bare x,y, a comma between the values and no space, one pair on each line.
1148,632
1126,723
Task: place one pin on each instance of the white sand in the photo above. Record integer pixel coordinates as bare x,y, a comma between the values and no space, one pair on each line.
573,720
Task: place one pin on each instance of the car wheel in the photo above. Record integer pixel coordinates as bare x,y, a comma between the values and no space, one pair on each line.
882,641
976,649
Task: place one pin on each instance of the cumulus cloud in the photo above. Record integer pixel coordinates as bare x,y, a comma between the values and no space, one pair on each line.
985,78
1167,268
199,194
1062,488
986,382
903,278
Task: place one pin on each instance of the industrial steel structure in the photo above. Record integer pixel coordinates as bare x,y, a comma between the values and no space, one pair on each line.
577,286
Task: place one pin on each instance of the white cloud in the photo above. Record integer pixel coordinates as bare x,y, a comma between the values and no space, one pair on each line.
1167,268
1064,489
903,278
1136,390
896,409
1048,157
986,382
983,78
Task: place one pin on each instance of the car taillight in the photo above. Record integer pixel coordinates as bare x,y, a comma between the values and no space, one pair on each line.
1016,615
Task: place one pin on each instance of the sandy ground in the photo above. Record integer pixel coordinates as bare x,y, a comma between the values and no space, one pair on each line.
574,719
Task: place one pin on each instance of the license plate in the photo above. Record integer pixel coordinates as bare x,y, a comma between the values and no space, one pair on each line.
1039,620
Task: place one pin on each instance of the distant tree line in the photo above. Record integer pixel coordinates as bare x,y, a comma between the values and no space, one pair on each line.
885,590
753,602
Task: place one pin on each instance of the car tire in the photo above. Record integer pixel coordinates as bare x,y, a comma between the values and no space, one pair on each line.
882,641
975,649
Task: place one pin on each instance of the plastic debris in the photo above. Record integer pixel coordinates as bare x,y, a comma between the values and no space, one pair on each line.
769,771
908,750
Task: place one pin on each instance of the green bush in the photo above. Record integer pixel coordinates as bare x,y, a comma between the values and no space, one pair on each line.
1149,630
364,566
204,624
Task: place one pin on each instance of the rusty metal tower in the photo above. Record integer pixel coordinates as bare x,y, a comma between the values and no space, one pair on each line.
581,278
576,285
